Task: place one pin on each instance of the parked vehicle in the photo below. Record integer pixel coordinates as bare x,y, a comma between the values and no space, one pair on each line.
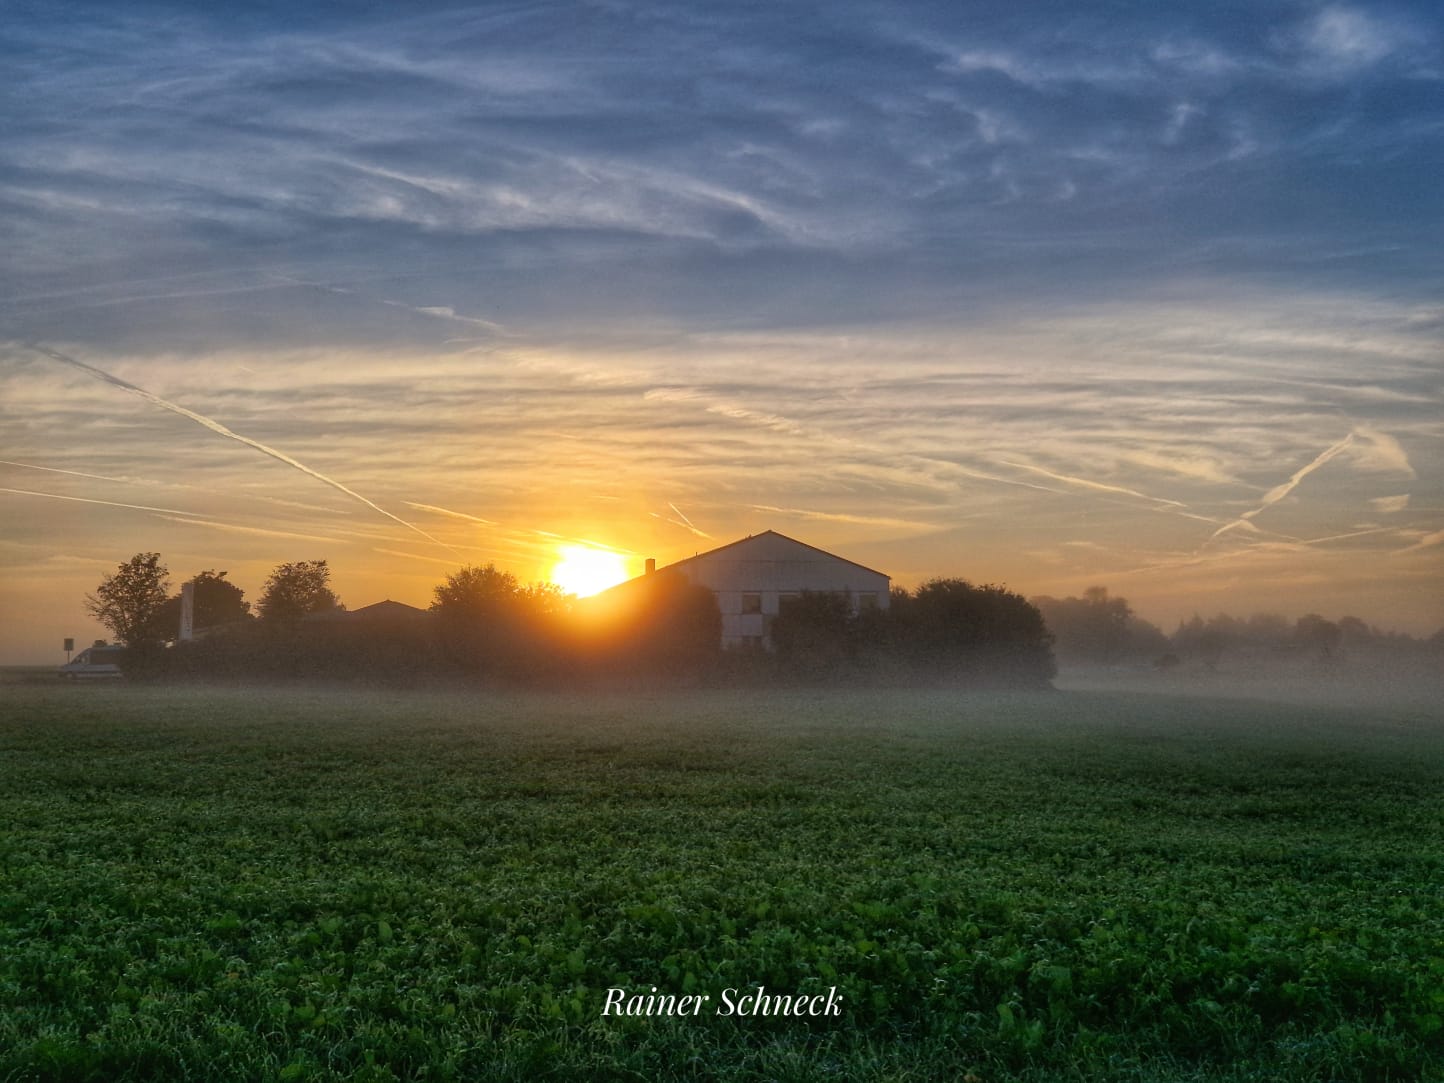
98,662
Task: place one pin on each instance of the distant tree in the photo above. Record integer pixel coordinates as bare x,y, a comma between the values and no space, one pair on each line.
1317,634
217,601
296,590
1098,628
1353,632
129,598
1206,640
1270,630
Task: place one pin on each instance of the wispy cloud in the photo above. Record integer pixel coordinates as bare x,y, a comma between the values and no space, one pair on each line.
218,428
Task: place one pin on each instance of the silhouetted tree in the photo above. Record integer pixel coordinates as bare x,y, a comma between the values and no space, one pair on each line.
1315,633
660,626
217,601
985,634
296,590
129,598
489,624
1353,632
812,635
474,593
1205,640
1098,628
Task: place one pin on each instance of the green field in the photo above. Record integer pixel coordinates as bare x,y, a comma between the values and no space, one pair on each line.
244,884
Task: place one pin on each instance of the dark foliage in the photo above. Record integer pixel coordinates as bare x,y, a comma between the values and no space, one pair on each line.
954,631
488,625
217,601
815,636
1099,629
658,628
296,590
128,600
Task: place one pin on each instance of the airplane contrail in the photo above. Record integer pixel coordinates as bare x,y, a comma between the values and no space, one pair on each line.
1278,492
1068,479
682,522
453,514
93,500
58,470
218,428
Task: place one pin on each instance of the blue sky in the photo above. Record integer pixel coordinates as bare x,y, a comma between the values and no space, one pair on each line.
1044,294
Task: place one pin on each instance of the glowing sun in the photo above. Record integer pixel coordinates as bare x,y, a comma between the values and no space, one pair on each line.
584,570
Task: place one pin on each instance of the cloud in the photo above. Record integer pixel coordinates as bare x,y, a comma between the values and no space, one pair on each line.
221,430
1341,39
1389,505
1378,452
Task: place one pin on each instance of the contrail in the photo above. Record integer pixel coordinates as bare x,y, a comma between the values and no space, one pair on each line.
58,470
92,500
448,511
1068,479
683,522
217,427
236,528
1278,492
173,514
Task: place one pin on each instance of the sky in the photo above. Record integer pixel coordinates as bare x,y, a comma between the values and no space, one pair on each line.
1046,295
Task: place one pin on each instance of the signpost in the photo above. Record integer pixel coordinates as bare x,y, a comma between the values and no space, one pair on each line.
69,646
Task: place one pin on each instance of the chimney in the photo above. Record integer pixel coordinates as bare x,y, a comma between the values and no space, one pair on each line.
188,610
651,565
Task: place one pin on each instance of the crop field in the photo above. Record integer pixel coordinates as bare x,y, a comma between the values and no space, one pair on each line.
242,884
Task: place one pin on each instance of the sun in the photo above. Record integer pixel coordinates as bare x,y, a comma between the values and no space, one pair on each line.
583,570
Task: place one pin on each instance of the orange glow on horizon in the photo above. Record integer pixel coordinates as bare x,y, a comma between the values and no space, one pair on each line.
584,571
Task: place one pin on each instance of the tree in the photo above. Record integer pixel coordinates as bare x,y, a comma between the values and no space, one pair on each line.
216,601
989,634
128,600
813,633
295,590
1315,633
659,626
474,592
1098,628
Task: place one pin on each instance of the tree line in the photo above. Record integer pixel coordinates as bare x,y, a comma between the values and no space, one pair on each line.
485,624
1102,629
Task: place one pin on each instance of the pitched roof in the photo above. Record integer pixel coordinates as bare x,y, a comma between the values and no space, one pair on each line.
377,611
387,610
783,537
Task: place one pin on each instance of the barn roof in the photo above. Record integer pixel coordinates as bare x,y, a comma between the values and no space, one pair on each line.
783,537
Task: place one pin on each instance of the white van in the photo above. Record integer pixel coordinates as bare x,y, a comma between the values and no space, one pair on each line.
96,662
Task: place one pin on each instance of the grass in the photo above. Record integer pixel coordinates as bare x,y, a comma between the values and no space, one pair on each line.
245,884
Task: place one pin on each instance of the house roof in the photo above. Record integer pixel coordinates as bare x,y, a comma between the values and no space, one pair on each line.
783,537
377,611
387,610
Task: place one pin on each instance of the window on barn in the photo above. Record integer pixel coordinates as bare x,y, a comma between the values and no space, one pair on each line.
866,599
752,603
786,599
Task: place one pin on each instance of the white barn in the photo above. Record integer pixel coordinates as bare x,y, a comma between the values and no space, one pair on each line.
754,579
